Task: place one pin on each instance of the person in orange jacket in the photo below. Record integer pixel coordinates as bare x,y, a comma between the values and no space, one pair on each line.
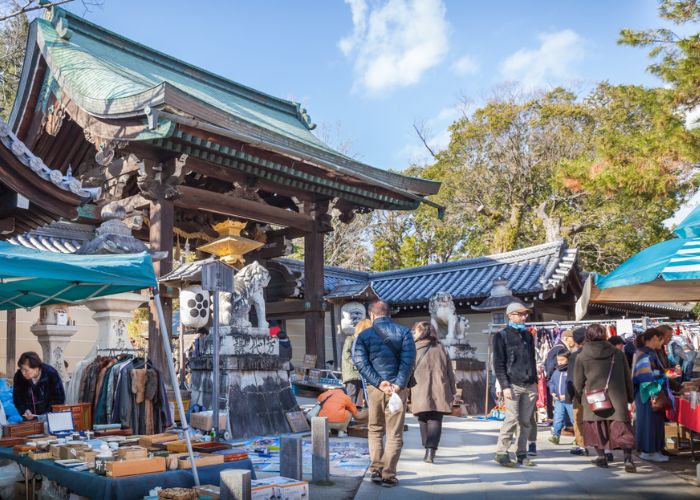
338,408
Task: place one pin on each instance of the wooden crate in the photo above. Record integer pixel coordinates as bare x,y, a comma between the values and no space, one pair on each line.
149,441
132,452
82,414
182,460
23,429
136,467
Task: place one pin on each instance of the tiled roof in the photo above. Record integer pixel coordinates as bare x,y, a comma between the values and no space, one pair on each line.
112,77
333,277
60,237
36,165
530,272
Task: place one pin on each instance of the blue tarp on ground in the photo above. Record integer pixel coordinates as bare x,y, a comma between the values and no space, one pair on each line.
29,278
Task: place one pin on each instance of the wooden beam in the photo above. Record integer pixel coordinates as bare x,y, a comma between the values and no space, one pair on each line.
201,199
313,296
231,175
7,225
285,307
11,343
162,219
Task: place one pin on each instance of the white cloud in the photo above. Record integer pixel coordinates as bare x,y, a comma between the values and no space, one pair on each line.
394,43
554,59
465,65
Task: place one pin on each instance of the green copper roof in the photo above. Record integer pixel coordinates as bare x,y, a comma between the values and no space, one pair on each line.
112,77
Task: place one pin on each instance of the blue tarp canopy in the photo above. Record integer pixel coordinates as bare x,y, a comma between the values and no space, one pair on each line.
30,278
673,260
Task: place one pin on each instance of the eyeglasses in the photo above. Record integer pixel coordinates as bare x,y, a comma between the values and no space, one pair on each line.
521,314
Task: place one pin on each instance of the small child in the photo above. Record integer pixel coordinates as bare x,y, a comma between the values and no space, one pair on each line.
562,404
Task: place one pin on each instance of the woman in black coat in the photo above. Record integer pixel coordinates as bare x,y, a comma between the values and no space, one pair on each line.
37,386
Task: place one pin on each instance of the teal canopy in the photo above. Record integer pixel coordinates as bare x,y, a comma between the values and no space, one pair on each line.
30,278
673,260
690,226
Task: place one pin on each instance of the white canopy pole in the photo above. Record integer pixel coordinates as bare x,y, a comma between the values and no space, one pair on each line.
173,379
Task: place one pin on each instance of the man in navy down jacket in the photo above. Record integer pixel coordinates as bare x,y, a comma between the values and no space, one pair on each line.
384,355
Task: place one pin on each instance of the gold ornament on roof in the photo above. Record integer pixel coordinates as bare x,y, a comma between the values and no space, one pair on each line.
230,247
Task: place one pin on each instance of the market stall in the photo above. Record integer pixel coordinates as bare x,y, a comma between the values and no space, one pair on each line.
31,278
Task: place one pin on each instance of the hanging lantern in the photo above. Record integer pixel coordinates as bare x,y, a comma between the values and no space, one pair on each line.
194,307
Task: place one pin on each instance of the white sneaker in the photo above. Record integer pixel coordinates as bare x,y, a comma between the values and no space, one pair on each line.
660,457
342,434
649,457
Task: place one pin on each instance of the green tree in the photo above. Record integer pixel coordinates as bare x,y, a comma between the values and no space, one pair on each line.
13,38
603,171
676,57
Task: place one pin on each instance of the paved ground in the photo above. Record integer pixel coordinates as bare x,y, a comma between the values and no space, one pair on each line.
464,468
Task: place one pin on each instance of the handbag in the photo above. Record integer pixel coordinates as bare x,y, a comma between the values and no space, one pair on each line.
411,380
661,401
597,399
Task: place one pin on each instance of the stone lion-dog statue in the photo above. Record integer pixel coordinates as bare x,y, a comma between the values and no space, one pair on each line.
447,323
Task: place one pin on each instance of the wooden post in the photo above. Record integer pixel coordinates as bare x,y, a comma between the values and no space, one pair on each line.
11,346
162,217
313,297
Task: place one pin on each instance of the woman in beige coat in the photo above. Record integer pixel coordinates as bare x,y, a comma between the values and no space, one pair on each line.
434,392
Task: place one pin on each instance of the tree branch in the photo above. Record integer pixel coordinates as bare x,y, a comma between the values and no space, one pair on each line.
421,136
28,7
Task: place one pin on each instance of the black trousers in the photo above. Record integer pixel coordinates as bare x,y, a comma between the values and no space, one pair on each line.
430,428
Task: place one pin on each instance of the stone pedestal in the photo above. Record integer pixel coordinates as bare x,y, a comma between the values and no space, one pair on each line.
470,375
253,378
112,315
53,340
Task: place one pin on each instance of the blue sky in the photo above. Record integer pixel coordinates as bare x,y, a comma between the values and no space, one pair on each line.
368,70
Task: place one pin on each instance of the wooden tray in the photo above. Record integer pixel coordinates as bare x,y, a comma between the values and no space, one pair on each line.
149,441
210,447
23,429
12,441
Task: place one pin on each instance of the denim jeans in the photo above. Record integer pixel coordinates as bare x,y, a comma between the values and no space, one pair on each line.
561,408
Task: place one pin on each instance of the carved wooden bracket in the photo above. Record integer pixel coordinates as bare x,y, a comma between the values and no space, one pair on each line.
158,181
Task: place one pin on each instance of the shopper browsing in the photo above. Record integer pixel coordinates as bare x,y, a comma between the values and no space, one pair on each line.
516,372
384,354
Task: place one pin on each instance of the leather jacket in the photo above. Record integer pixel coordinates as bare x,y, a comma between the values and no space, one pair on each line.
514,357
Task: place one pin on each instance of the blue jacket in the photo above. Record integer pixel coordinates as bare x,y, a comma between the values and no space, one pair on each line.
558,384
376,361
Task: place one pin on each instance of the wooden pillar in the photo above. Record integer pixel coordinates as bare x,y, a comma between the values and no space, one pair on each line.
313,297
162,218
11,346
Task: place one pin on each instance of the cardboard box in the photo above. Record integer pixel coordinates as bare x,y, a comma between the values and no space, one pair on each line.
132,452
204,420
148,441
279,488
182,460
71,451
55,450
136,467
291,489
208,490
262,489
87,456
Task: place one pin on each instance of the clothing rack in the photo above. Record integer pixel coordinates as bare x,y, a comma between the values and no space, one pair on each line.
114,351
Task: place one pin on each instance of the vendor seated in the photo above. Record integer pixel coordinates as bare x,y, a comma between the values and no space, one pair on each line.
338,408
36,386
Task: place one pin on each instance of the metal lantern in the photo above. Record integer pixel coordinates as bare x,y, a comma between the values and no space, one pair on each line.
194,307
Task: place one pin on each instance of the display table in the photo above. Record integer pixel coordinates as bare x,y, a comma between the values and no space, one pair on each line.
97,487
686,416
